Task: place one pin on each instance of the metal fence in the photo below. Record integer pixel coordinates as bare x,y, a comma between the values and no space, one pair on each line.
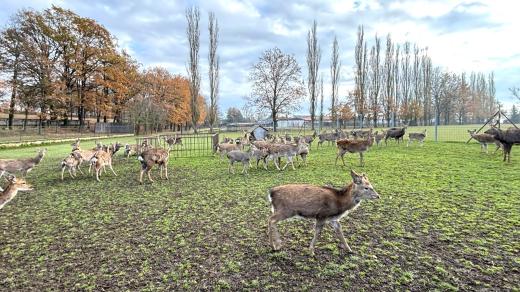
192,145
444,133
19,134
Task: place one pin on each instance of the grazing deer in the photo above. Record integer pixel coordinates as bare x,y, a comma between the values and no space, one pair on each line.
21,165
103,158
419,137
14,186
485,139
395,133
507,138
324,204
71,162
353,146
149,158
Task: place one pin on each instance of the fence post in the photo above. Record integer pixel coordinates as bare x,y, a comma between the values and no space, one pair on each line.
436,126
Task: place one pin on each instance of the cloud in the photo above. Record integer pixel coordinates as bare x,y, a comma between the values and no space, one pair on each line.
460,35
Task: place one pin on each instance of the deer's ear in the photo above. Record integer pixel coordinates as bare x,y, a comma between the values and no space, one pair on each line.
356,178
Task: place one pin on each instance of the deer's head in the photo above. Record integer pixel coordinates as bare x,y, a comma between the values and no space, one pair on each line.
362,188
18,183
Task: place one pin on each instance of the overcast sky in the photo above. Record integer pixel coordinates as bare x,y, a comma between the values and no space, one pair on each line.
461,35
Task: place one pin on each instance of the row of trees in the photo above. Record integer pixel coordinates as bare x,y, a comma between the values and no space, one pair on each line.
394,83
60,65
402,85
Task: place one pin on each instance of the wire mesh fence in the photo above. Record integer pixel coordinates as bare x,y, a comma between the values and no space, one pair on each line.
20,134
183,145
443,133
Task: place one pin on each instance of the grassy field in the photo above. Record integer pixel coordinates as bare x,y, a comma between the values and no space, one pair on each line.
448,219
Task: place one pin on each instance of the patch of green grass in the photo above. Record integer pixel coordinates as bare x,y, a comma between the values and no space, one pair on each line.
447,219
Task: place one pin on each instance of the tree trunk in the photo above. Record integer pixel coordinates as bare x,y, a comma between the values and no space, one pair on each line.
25,119
11,108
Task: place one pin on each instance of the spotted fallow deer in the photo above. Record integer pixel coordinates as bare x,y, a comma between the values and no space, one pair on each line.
14,186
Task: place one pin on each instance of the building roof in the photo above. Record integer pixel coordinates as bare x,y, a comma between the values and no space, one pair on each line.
255,127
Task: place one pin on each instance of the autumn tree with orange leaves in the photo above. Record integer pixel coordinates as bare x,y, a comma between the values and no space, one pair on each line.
64,67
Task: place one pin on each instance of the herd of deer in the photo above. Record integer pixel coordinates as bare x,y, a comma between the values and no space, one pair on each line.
324,204
277,147
274,149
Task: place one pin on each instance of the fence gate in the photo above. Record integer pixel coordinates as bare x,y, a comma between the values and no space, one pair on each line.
188,145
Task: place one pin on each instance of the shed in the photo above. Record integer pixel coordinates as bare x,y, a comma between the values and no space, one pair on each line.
258,132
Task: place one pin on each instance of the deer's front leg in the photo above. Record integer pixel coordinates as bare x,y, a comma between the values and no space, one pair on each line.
339,234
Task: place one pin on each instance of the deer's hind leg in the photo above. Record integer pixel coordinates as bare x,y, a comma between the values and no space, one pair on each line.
110,166
272,230
317,231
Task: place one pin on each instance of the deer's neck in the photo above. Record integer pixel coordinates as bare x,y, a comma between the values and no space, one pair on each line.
37,159
349,198
7,195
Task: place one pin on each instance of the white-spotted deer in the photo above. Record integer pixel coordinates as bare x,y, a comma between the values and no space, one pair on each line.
103,158
71,162
149,158
322,203
14,186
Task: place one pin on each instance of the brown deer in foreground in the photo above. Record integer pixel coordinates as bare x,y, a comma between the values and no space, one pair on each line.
323,203
15,185
149,158
353,146
21,165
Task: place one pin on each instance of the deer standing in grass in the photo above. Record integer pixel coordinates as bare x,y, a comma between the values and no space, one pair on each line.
322,203
224,148
71,163
103,158
23,166
379,137
149,158
14,186
507,138
239,156
289,151
419,137
353,146
485,139
395,133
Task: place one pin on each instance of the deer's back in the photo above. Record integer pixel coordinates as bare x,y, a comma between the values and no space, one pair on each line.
306,200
